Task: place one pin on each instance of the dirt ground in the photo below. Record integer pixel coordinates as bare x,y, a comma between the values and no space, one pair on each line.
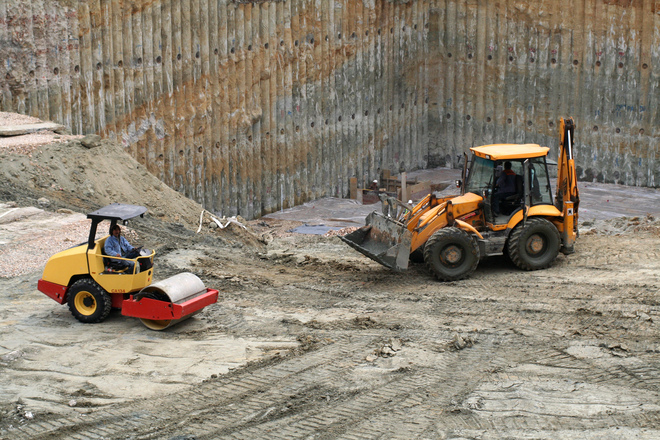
311,340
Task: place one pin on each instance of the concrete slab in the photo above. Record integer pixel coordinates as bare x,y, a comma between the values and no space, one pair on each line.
18,130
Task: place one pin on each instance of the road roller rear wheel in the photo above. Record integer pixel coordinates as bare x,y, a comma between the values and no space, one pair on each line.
88,302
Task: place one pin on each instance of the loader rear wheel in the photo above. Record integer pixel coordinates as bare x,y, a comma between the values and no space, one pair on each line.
451,254
88,302
535,245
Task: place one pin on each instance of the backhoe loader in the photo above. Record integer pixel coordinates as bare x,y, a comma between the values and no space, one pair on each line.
454,233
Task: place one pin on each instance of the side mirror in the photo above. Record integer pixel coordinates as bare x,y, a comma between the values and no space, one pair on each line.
458,184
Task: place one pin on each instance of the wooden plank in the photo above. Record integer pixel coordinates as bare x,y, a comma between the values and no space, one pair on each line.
353,187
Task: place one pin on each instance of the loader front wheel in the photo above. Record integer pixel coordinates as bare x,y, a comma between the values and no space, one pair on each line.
451,254
535,245
88,302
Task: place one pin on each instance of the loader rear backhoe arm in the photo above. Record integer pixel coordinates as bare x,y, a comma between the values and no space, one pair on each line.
567,198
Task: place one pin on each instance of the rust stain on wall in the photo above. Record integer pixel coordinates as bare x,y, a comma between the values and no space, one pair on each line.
254,106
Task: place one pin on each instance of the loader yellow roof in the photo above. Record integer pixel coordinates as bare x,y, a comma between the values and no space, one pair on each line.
510,151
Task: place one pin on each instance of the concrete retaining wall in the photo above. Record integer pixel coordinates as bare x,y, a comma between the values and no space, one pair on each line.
508,69
254,106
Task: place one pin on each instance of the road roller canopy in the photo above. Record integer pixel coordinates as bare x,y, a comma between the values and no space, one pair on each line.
510,151
117,212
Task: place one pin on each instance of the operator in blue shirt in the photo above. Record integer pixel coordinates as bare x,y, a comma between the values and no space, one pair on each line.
118,246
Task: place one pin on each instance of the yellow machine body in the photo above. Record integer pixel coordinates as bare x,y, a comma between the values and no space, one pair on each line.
76,262
92,283
463,229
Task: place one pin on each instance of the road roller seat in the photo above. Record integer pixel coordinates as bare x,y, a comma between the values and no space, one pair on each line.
145,259
109,265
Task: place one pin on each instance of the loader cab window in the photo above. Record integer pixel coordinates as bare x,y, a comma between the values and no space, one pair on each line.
484,174
541,190
480,177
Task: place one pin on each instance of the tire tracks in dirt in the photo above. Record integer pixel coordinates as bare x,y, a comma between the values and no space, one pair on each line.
564,352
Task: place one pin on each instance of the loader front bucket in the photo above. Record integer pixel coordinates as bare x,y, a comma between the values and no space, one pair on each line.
382,239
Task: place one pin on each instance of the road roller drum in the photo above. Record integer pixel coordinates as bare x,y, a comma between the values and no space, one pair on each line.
168,302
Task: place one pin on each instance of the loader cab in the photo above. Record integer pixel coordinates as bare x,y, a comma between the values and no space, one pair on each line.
528,162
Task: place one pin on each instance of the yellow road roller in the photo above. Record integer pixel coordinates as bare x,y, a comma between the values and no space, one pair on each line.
92,283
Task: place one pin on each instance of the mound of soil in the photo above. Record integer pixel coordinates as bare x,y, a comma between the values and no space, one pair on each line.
86,174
